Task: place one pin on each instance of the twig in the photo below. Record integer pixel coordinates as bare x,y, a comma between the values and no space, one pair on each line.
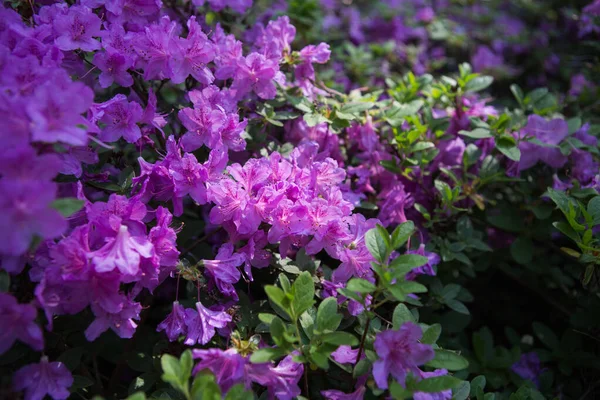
360,349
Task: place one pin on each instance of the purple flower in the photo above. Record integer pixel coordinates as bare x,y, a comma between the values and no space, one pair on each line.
549,133
114,67
282,380
228,366
427,269
25,208
395,202
174,325
451,153
358,394
223,269
485,59
45,378
120,118
18,322
55,113
528,367
189,177
399,352
443,395
123,252
191,56
76,29
154,46
201,324
593,8
120,322
164,238
255,73
345,355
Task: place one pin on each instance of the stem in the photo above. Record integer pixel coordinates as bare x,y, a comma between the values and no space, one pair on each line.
382,302
360,349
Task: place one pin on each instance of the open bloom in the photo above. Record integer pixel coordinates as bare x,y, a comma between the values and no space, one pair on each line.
18,322
122,252
228,366
174,325
399,352
201,324
45,378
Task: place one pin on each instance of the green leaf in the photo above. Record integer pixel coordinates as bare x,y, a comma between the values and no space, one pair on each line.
340,338
432,334
313,119
238,392
401,234
546,335
362,367
593,208
80,382
479,83
450,291
176,373
448,360
327,317
136,396
278,297
398,112
266,354
186,362
360,286
478,383
170,366
518,93
462,391
398,392
437,384
71,358
277,331
349,294
304,293
522,250
404,263
205,387
356,107
377,244
67,206
483,344
266,318
401,315
457,306
508,148
560,199
411,287
478,133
